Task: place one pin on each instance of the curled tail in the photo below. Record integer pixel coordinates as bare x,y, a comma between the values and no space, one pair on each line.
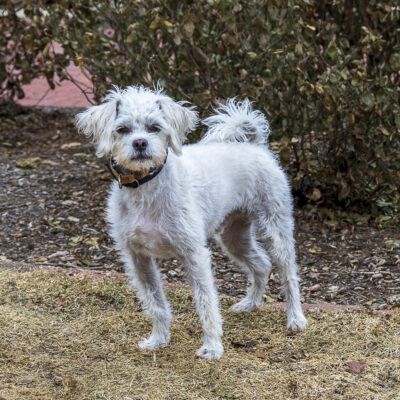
236,121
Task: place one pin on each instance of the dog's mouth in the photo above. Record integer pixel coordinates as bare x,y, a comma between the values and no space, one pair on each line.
141,157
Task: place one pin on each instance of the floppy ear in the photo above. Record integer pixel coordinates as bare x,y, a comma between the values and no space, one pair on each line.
97,121
181,120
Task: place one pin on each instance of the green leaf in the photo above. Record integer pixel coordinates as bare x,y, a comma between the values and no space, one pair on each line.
74,241
92,241
189,28
393,243
220,392
397,120
395,61
368,99
298,49
332,51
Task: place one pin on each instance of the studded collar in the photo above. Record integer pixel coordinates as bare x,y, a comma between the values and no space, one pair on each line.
135,178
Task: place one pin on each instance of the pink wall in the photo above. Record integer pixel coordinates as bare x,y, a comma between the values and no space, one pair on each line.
66,94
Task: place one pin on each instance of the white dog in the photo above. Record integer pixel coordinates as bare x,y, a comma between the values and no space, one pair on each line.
168,203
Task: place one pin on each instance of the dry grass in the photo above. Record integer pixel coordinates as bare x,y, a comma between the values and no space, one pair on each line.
65,337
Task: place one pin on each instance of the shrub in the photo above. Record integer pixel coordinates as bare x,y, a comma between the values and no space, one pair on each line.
326,73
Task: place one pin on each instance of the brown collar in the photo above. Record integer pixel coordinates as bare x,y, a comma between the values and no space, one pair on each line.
134,179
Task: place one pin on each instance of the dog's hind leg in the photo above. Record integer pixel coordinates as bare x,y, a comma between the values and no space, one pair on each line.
200,277
145,278
280,246
237,239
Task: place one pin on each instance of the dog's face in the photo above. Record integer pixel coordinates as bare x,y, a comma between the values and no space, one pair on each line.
136,126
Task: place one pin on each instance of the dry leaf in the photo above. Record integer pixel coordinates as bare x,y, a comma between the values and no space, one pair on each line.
70,145
194,329
355,367
50,162
314,288
30,163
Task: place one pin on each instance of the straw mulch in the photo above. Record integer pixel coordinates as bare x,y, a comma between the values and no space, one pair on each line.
74,337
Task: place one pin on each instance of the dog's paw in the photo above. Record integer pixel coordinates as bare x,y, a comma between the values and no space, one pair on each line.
153,342
210,351
243,306
298,323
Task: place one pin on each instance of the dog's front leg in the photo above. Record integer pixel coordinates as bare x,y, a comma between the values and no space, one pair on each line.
198,266
145,278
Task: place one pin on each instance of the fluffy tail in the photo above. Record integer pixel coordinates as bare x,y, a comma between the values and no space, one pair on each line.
236,122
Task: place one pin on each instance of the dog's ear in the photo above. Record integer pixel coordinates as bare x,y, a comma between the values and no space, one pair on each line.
181,120
97,122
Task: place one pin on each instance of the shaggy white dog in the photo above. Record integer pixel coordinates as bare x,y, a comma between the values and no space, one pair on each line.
167,204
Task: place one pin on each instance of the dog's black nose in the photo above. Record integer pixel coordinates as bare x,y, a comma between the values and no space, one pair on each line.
140,144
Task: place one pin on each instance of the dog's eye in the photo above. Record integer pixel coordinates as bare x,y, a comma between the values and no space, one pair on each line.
123,130
154,128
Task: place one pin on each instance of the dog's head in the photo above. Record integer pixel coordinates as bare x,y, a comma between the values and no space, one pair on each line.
136,125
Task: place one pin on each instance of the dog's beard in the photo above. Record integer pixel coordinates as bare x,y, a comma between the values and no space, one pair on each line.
141,157
140,161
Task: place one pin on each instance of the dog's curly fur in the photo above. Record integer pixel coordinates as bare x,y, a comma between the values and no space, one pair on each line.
228,186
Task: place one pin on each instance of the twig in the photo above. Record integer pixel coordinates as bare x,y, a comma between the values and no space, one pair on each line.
78,86
44,95
71,79
57,265
11,207
72,266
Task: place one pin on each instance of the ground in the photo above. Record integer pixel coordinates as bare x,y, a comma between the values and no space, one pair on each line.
70,323
52,212
75,337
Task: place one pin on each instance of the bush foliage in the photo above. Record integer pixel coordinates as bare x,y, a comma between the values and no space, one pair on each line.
325,72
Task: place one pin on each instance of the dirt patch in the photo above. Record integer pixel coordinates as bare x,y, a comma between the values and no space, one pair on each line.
52,212
75,337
